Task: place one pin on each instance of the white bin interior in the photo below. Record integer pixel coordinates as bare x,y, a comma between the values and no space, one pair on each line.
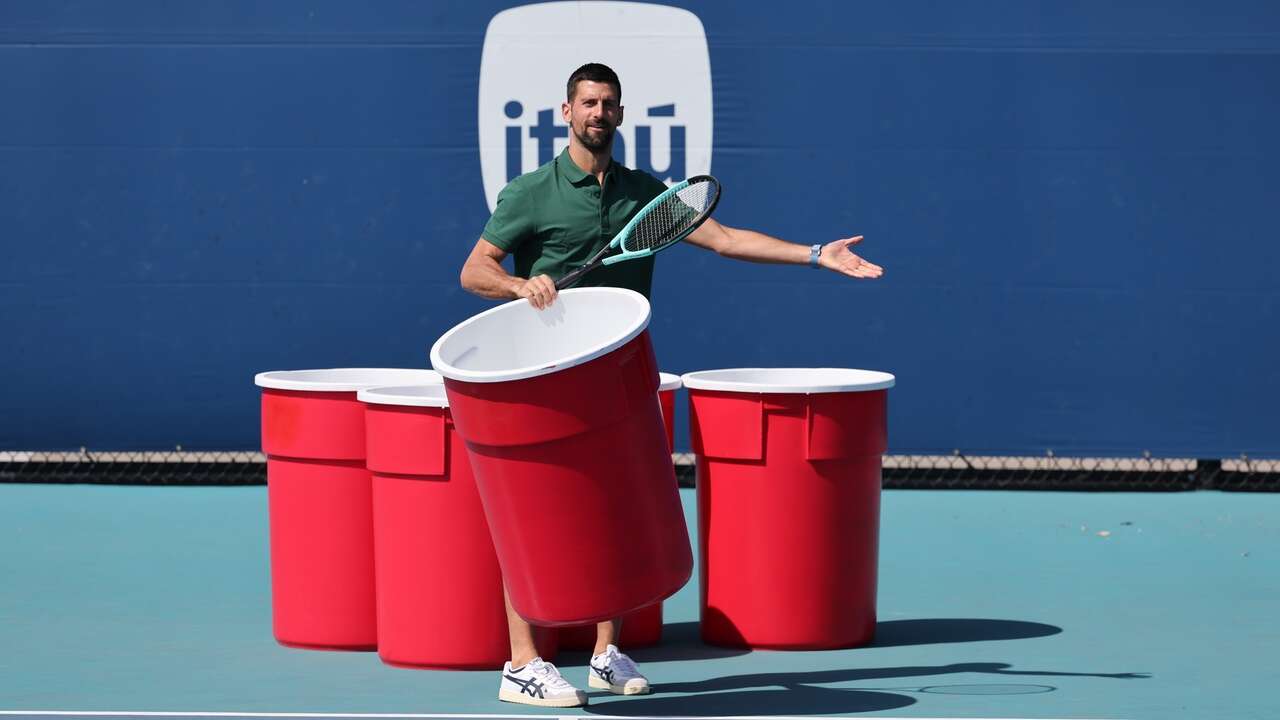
406,395
516,340
344,379
789,380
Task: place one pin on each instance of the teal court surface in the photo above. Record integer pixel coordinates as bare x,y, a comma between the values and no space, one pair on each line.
154,601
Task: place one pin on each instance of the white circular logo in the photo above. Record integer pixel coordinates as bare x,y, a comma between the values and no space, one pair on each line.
660,54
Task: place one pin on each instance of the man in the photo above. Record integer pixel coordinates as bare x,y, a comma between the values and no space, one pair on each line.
553,220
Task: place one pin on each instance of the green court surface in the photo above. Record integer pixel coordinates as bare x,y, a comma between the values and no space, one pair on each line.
991,605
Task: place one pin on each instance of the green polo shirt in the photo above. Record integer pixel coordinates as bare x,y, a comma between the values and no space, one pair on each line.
552,220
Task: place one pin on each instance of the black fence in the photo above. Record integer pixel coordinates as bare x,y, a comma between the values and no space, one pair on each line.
956,471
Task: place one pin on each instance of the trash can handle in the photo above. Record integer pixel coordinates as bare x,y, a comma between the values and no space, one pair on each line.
726,425
840,426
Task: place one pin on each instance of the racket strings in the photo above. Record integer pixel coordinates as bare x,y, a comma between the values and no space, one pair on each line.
672,218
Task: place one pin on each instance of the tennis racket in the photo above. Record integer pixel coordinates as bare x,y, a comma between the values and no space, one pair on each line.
665,221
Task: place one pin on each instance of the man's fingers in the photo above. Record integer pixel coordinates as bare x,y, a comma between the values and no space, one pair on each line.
860,268
549,291
866,265
540,291
849,263
533,293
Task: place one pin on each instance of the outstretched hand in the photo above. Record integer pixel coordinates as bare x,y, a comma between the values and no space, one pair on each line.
837,256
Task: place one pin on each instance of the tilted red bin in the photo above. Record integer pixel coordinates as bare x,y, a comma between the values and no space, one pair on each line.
439,587
569,453
643,627
320,504
788,488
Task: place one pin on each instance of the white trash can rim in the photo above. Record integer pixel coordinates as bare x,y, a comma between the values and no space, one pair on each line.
406,395
789,380
344,379
669,381
516,341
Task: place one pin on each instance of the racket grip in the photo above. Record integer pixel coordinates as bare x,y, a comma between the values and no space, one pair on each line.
573,277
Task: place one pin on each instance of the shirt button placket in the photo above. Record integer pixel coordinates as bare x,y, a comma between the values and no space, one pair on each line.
604,213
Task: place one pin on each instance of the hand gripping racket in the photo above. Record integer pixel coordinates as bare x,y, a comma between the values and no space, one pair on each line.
665,221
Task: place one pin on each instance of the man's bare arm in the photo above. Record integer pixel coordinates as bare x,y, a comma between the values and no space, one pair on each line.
484,275
757,247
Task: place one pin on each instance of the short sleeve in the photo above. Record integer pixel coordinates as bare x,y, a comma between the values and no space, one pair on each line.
512,221
653,185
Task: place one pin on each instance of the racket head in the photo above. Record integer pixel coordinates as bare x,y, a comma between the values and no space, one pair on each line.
668,218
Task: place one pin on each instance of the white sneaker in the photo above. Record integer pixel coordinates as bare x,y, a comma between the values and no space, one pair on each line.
539,683
615,672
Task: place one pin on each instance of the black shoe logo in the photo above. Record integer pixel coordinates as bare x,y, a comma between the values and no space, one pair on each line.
605,673
531,687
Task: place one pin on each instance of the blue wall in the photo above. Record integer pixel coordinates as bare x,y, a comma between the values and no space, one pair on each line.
1074,204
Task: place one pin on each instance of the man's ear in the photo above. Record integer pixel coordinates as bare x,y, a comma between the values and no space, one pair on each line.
565,107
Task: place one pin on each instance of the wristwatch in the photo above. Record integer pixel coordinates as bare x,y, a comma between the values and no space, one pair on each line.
814,252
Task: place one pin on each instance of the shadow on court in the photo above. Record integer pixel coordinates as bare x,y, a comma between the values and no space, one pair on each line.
896,633
682,641
796,693
795,700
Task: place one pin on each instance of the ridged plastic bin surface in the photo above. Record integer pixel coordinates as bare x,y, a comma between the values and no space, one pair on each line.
788,489
320,505
570,454
439,587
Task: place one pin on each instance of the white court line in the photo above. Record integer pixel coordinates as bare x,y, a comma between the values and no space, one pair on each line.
430,715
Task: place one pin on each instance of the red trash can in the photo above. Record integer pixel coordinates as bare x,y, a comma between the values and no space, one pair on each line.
643,627
788,488
569,453
439,587
319,498
668,384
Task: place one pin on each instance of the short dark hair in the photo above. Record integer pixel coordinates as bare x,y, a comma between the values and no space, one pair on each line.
594,72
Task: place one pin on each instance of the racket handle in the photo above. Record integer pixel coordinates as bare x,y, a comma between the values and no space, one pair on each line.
574,276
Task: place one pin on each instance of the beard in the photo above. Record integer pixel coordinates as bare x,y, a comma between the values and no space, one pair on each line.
597,142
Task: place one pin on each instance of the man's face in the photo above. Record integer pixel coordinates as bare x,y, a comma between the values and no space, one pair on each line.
593,115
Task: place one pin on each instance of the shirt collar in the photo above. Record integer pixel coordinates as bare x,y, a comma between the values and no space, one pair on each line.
577,175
